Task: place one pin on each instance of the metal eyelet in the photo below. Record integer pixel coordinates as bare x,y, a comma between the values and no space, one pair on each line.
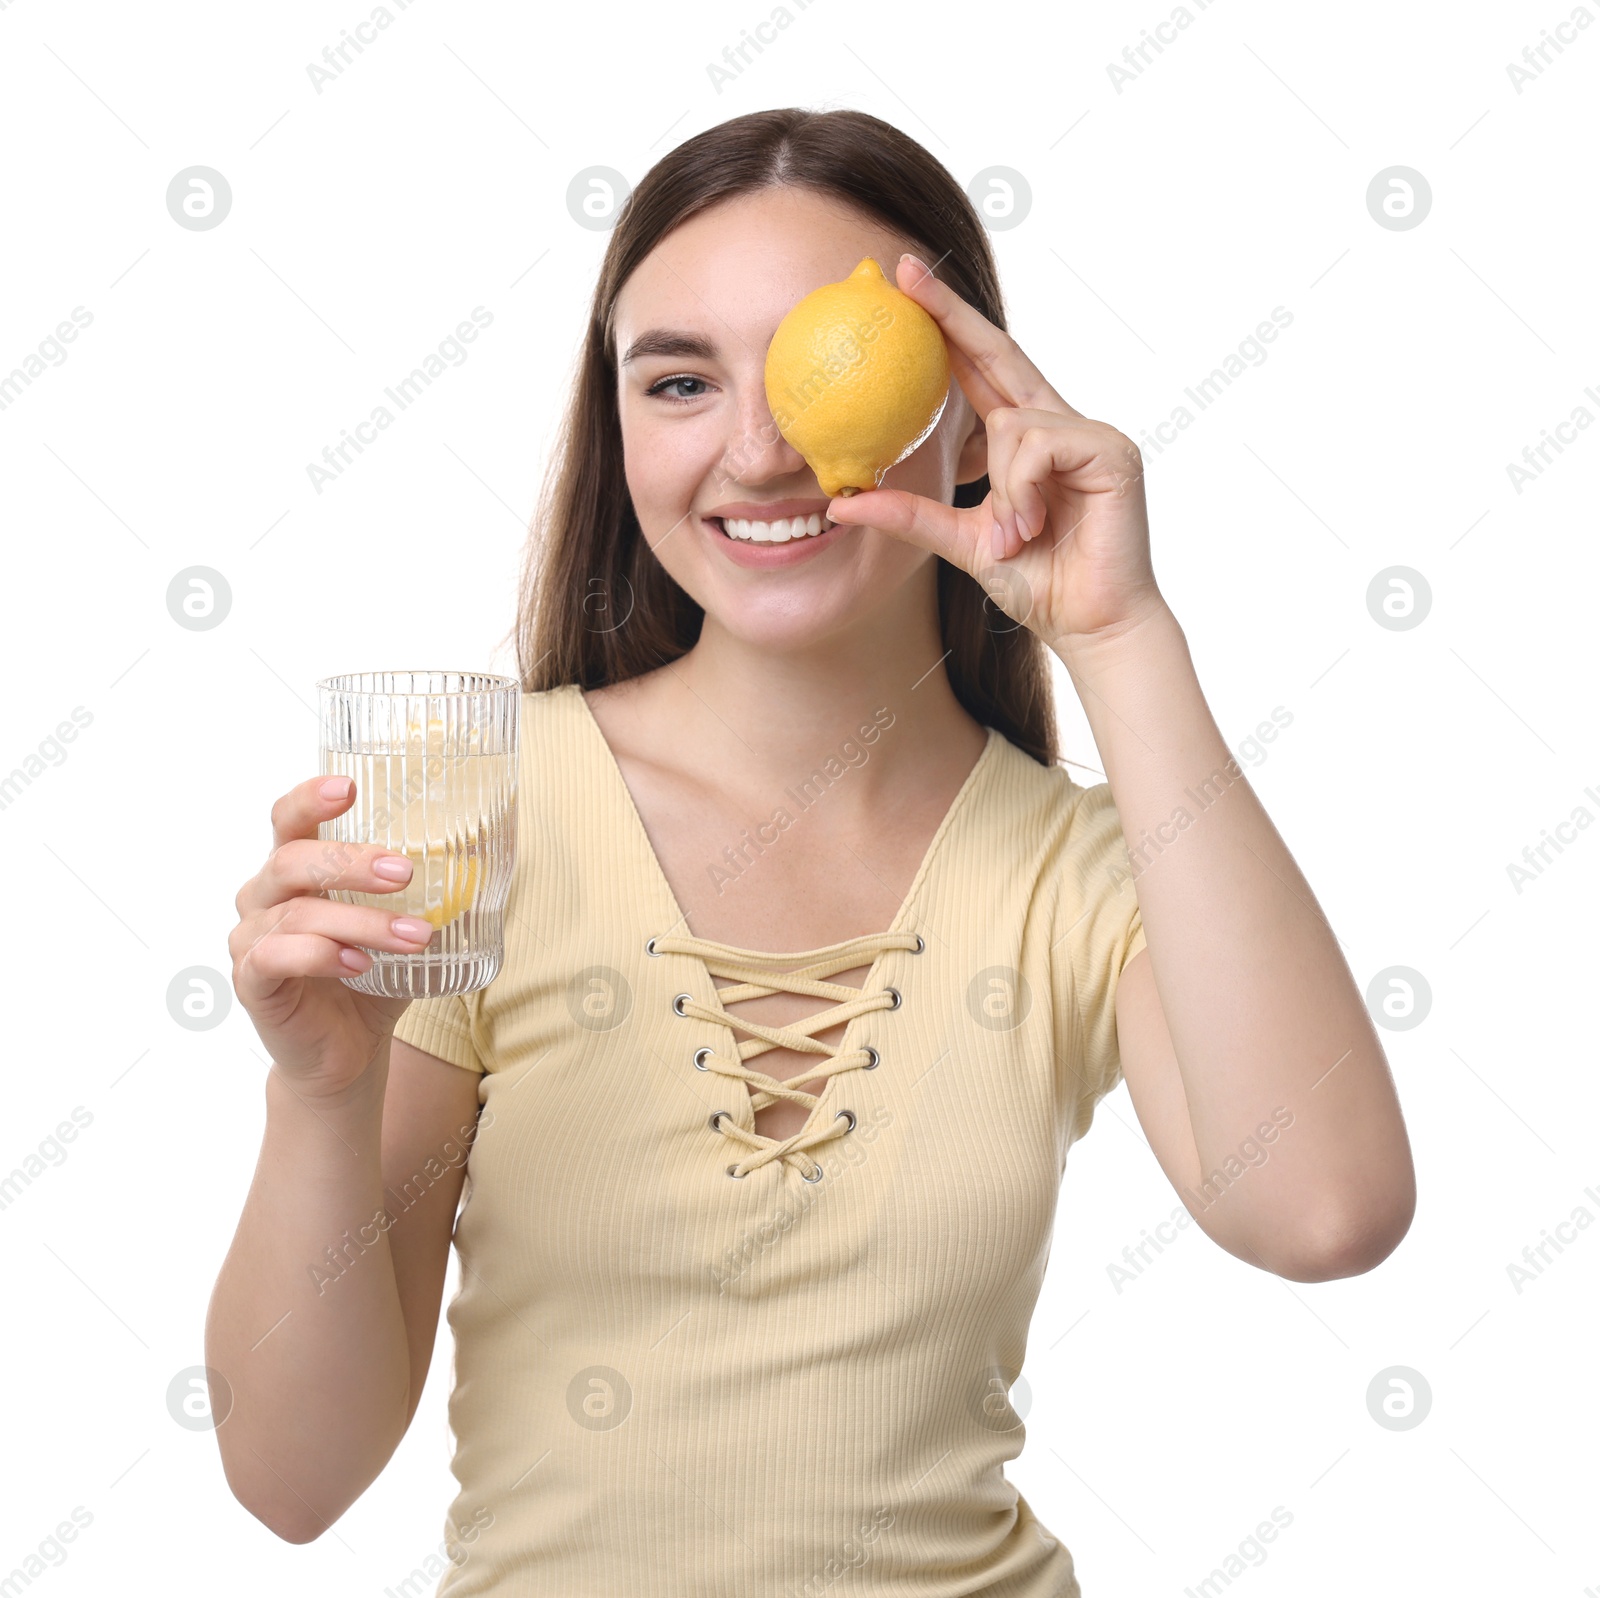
852,1115
818,1176
717,1115
700,1057
741,1175
677,1003
872,1064
896,993
651,950
922,944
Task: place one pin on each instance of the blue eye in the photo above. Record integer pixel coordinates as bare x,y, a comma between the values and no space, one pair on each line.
664,383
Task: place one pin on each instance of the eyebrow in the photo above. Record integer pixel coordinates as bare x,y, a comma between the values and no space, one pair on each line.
667,341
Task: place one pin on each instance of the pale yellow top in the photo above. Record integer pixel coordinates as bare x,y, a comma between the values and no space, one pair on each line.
670,1379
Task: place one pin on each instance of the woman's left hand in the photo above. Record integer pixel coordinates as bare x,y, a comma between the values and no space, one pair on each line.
1061,541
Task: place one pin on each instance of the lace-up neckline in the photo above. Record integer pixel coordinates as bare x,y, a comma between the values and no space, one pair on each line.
754,977
755,971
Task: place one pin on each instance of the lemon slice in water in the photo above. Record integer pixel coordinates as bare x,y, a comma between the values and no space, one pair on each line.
444,880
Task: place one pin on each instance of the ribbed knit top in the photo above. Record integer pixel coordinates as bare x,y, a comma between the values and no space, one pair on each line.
693,1360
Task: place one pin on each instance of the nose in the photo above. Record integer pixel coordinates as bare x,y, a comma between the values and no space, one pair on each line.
756,451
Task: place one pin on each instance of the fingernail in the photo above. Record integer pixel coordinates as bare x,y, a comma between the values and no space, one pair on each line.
335,788
997,541
410,927
392,867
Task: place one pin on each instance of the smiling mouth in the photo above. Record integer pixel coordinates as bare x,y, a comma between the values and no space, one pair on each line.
784,530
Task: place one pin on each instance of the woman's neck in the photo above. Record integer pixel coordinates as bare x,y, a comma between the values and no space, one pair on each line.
882,690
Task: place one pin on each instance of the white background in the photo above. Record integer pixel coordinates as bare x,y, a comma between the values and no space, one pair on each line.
1165,1420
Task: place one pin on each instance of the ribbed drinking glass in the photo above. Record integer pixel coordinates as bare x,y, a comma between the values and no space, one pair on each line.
434,758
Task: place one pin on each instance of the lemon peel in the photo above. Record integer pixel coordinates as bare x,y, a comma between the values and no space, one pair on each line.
857,376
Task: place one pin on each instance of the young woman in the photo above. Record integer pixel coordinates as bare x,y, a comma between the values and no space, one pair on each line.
817,964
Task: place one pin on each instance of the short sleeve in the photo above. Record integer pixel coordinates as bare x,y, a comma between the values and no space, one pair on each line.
443,1027
1097,931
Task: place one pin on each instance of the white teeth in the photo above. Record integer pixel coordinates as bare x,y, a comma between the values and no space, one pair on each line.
778,532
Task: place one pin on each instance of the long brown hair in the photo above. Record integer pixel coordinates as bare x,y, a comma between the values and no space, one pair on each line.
587,563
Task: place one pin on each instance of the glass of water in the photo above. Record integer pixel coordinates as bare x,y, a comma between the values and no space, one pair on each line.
434,758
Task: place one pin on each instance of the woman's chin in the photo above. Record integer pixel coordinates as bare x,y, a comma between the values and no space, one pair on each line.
786,635
802,616
847,582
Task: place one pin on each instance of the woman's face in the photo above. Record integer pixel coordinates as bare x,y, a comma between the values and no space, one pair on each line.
693,323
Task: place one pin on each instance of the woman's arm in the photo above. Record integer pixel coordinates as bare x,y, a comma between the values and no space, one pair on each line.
1258,1023
326,1308
1257,1011
317,1363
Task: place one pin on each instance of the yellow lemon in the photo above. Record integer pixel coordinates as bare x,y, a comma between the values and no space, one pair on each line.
857,376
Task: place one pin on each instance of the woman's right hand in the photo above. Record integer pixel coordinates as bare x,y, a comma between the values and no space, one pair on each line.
292,946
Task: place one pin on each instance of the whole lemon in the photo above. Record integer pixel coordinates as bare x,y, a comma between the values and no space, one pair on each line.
857,375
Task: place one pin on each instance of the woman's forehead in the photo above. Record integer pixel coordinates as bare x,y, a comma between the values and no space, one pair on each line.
733,271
